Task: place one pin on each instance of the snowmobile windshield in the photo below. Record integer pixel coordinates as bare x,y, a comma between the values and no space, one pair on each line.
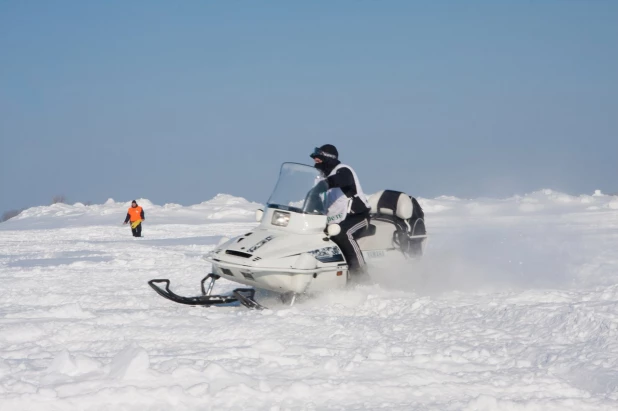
295,190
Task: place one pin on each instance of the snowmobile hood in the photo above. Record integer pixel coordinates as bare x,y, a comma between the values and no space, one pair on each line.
267,248
264,244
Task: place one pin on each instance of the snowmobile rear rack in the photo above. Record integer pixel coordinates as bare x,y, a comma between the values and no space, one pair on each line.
245,296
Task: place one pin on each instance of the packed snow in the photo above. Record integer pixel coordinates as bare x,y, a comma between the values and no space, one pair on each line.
513,307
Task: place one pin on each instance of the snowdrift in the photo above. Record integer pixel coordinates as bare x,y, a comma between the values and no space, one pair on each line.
224,207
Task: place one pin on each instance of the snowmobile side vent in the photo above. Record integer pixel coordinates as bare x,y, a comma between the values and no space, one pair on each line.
238,253
227,271
248,276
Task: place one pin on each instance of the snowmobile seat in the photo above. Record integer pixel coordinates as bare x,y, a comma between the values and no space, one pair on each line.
392,203
397,208
399,216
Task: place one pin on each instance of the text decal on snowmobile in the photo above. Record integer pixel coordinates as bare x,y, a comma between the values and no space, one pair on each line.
335,217
261,243
376,254
327,254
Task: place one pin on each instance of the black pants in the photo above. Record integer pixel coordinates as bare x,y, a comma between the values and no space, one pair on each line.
350,227
137,231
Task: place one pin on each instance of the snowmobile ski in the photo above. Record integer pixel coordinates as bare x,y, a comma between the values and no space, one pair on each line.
244,296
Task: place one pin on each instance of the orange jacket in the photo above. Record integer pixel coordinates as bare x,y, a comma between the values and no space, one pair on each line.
135,213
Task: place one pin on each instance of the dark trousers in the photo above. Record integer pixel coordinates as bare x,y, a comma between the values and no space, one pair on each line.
137,231
350,227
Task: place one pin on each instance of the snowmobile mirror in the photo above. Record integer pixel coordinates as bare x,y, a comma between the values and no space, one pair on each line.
258,215
333,230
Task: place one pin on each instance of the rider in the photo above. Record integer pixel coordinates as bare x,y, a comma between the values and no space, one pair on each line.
346,203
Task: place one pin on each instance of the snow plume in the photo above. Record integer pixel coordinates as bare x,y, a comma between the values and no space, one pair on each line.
512,255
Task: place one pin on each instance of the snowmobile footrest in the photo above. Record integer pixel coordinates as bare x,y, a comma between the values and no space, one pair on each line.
247,300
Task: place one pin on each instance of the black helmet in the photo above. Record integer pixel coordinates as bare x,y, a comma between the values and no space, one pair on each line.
326,153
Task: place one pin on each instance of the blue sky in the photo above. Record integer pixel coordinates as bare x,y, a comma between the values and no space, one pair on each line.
179,101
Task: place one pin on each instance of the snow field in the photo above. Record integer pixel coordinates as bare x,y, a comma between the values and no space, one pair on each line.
514,307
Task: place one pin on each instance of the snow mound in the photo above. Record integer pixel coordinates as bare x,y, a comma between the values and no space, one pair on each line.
222,207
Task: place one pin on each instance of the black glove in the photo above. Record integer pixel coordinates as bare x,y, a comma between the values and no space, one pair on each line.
321,187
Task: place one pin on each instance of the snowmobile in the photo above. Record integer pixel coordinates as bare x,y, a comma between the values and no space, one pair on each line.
291,251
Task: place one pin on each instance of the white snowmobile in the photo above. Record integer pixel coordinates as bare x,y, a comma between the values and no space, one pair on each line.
290,252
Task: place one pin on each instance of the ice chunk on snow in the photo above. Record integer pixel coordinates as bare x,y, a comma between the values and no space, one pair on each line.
269,346
63,363
67,364
5,368
132,363
20,333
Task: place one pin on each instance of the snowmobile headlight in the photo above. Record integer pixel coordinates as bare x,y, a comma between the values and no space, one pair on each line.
327,254
280,218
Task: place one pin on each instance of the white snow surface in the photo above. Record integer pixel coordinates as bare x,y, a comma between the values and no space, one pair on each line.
513,307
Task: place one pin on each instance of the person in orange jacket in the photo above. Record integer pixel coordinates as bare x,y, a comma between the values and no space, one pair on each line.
136,216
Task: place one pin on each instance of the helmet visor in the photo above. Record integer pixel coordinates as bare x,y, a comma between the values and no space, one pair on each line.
317,153
322,155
